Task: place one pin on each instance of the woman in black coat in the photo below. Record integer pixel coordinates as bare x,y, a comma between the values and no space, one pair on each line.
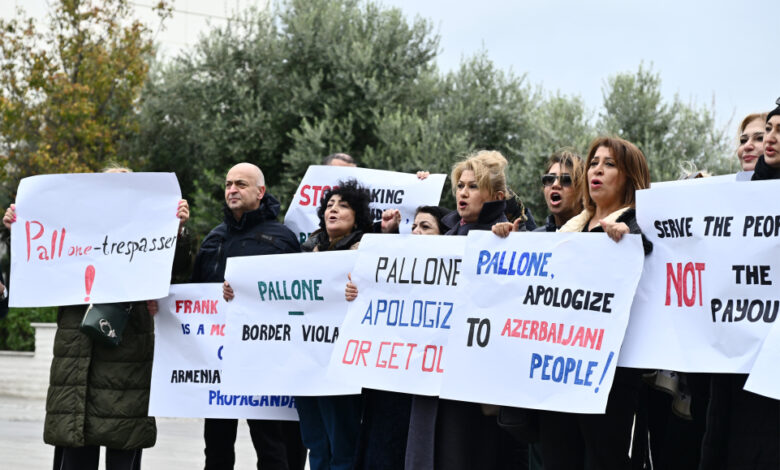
447,434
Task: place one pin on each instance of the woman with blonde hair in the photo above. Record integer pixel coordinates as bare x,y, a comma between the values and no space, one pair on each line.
451,434
751,140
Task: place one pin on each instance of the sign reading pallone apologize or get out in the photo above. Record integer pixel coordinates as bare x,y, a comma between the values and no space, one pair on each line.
396,332
93,238
542,320
283,322
389,190
188,361
708,294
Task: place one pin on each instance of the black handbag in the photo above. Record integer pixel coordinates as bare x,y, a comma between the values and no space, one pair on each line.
104,323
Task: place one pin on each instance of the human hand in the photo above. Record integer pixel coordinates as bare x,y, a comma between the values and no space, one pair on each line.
391,219
10,216
351,292
227,292
421,175
152,307
183,213
615,230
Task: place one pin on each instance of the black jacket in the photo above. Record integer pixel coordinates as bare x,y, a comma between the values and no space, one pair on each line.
492,213
549,225
257,233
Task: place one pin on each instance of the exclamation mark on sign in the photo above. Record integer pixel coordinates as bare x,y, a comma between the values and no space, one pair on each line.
606,368
89,278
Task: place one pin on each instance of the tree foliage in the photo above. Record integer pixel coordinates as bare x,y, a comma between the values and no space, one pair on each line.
668,133
68,90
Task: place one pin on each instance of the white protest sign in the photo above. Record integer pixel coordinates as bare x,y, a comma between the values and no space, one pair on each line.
389,190
395,334
708,294
542,319
764,378
283,322
93,238
188,361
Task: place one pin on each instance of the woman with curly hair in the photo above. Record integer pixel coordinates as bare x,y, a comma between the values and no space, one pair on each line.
330,425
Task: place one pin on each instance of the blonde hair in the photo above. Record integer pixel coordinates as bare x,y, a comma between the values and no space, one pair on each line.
488,167
750,118
115,168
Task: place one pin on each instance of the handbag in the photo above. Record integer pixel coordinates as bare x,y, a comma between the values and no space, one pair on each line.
104,323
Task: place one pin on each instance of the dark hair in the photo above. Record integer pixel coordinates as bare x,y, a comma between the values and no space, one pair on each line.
438,213
630,161
338,156
357,196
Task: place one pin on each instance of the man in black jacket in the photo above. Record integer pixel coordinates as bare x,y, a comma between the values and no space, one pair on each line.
249,228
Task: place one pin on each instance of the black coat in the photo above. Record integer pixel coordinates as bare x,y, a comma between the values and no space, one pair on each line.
454,435
743,429
256,233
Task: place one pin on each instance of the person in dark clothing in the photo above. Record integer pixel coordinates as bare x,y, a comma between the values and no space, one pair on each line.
616,169
743,428
249,228
330,425
453,435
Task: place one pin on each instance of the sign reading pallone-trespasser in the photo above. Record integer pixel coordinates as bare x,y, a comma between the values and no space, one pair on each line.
283,322
542,319
187,378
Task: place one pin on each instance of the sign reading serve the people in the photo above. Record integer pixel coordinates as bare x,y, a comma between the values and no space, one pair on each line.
395,334
389,190
188,362
93,238
542,319
708,294
283,322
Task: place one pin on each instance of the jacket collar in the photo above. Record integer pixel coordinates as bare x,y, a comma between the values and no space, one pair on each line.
268,210
579,221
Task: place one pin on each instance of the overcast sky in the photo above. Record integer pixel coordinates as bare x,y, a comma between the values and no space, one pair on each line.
717,50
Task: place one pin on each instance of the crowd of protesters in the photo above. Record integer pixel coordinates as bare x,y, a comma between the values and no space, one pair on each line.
98,395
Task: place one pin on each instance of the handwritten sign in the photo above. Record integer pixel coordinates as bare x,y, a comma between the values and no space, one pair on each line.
389,190
708,294
542,320
395,334
93,238
284,321
188,362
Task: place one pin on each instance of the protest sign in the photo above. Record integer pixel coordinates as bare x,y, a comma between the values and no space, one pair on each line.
283,322
395,334
764,378
542,319
707,296
188,361
93,238
389,190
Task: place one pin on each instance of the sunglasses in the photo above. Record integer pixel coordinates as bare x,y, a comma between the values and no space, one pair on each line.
549,179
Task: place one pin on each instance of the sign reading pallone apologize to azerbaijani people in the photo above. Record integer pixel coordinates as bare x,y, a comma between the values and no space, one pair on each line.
188,361
283,322
93,238
709,291
396,332
389,190
542,319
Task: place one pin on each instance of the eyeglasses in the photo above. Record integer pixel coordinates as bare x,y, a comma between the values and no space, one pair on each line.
549,179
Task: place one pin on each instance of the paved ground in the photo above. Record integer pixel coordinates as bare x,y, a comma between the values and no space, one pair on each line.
179,441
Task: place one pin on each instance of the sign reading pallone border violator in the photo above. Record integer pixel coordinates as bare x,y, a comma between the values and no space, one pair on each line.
188,361
542,319
389,190
93,238
709,291
283,322
395,334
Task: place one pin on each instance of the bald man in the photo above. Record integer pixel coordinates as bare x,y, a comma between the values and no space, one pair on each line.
249,228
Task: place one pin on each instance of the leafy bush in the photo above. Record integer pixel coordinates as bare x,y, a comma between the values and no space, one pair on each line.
16,334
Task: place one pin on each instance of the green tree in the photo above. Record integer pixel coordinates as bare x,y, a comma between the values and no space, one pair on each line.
668,133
